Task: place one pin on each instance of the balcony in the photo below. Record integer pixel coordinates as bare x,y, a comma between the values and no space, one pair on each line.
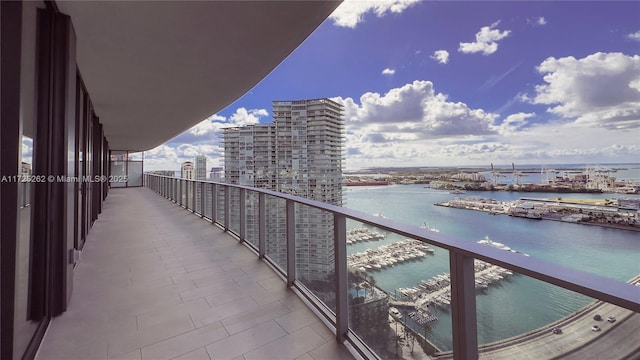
155,281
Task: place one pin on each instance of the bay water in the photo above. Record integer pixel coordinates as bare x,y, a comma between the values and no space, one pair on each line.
515,305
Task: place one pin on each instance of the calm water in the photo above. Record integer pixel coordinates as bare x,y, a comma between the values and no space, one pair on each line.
519,304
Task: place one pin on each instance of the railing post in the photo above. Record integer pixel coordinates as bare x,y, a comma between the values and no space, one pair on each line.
262,225
180,192
341,277
463,306
243,215
291,242
214,203
227,207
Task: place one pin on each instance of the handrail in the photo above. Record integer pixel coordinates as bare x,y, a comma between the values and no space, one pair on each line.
609,290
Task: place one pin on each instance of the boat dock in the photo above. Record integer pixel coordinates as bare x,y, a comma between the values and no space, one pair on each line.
389,255
362,234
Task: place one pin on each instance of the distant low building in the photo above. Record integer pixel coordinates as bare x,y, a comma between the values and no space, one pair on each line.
629,203
170,173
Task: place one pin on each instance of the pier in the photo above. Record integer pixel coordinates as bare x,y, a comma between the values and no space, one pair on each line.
574,211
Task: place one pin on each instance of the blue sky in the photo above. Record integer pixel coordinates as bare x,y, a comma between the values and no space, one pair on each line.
458,83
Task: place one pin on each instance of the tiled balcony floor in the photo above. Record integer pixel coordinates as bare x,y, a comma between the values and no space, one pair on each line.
156,282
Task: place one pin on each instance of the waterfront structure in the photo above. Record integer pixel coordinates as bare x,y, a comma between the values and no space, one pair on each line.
300,153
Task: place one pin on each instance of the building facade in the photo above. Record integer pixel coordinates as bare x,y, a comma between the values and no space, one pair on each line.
187,170
300,153
201,168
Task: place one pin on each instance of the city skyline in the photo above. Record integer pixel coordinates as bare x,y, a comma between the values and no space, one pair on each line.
497,83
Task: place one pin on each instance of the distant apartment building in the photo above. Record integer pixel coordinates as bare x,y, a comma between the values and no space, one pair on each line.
187,173
186,170
300,153
201,168
200,174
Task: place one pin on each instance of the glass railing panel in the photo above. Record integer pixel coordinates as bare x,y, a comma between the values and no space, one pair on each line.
197,197
399,293
252,217
182,192
234,207
522,317
208,191
189,190
220,210
315,254
276,231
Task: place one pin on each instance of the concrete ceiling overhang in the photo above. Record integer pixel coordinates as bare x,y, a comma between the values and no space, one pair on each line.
154,69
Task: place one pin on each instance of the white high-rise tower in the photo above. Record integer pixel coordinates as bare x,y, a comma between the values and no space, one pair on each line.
300,153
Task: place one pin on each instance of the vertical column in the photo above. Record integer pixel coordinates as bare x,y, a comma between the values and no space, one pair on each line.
341,276
463,306
262,225
291,242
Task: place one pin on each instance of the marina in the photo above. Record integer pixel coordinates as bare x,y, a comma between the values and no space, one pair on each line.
516,304
389,255
436,291
362,234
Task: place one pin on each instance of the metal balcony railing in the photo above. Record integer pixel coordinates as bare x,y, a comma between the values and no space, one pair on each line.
243,212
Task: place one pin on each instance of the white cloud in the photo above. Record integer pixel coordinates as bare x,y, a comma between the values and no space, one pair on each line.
388,71
602,89
413,125
414,111
244,117
167,157
634,36
212,124
486,40
513,123
350,13
27,150
441,56
539,21
203,138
